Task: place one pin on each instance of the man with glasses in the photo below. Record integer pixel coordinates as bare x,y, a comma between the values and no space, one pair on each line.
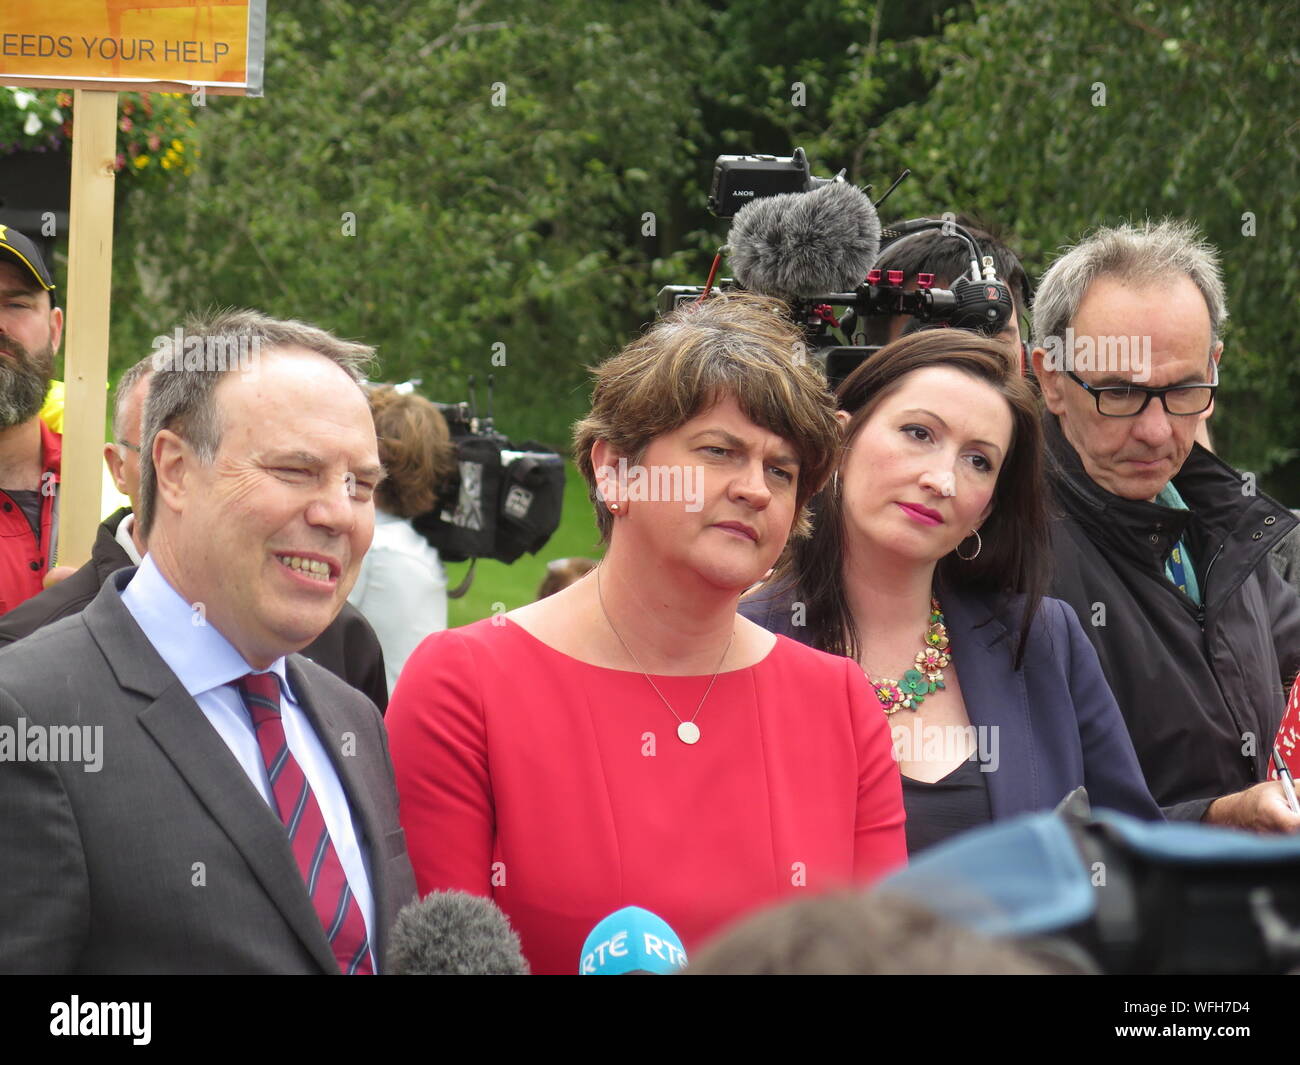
1160,547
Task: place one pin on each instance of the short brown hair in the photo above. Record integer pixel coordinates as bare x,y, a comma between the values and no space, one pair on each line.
733,344
415,448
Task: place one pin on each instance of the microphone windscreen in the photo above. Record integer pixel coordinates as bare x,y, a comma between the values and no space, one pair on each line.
454,933
800,244
631,940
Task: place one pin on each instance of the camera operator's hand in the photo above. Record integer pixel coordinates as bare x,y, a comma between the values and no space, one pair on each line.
1261,808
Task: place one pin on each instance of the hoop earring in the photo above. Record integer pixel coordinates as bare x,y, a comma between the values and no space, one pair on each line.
979,546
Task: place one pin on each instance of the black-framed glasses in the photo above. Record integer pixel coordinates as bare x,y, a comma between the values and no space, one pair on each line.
1128,401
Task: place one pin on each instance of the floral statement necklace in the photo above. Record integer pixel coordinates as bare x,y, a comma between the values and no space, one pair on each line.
926,677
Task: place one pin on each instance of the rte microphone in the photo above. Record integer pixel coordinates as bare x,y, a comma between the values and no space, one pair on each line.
632,941
454,933
796,245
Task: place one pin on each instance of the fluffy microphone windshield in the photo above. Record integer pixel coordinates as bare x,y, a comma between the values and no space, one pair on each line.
801,244
454,933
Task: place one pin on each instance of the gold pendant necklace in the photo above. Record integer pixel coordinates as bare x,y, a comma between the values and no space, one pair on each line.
687,731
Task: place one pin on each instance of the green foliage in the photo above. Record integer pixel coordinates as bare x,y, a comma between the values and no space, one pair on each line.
155,134
154,130
521,229
30,119
438,179
1194,124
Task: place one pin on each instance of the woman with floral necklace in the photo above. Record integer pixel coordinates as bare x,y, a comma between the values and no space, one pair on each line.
927,566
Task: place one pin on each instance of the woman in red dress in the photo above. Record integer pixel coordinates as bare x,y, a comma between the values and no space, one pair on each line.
631,740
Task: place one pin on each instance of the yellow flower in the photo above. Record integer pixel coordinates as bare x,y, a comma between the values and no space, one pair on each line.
166,162
141,161
178,146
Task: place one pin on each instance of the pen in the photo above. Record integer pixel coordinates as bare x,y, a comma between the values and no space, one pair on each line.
1288,786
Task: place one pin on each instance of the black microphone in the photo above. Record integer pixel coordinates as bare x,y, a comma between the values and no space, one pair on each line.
454,933
801,244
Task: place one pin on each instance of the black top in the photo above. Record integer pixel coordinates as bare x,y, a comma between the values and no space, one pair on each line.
937,810
1193,681
30,504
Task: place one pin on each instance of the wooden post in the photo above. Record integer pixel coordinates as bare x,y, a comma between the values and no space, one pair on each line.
90,278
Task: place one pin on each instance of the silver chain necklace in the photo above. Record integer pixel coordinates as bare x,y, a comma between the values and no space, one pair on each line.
687,731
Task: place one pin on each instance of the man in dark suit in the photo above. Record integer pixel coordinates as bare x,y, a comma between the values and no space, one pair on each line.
183,792
348,647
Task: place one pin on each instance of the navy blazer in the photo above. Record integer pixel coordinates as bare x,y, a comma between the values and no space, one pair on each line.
1058,725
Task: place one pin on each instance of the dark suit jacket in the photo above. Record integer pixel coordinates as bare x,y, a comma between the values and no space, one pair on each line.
167,859
1057,721
348,648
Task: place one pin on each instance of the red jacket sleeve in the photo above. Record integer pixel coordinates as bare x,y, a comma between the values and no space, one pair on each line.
880,844
439,747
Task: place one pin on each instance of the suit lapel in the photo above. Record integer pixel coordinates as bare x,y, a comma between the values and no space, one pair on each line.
176,723
331,728
995,698
199,754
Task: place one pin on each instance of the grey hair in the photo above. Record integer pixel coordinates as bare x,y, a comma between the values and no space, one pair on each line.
185,381
125,387
1145,253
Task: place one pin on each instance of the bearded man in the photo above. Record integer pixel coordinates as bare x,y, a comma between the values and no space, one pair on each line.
31,327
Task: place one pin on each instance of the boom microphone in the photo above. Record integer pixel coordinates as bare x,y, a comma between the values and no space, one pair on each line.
454,933
801,244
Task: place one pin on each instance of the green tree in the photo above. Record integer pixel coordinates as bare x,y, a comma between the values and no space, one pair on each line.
1053,119
473,187
520,179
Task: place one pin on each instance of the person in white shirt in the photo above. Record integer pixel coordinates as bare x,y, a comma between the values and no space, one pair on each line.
402,589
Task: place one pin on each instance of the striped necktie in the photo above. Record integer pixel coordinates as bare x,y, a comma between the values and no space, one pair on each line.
322,872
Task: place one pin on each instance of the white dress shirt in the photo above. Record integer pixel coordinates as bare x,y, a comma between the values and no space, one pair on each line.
208,665
124,539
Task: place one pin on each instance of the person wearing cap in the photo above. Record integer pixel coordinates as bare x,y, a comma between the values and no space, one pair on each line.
31,327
